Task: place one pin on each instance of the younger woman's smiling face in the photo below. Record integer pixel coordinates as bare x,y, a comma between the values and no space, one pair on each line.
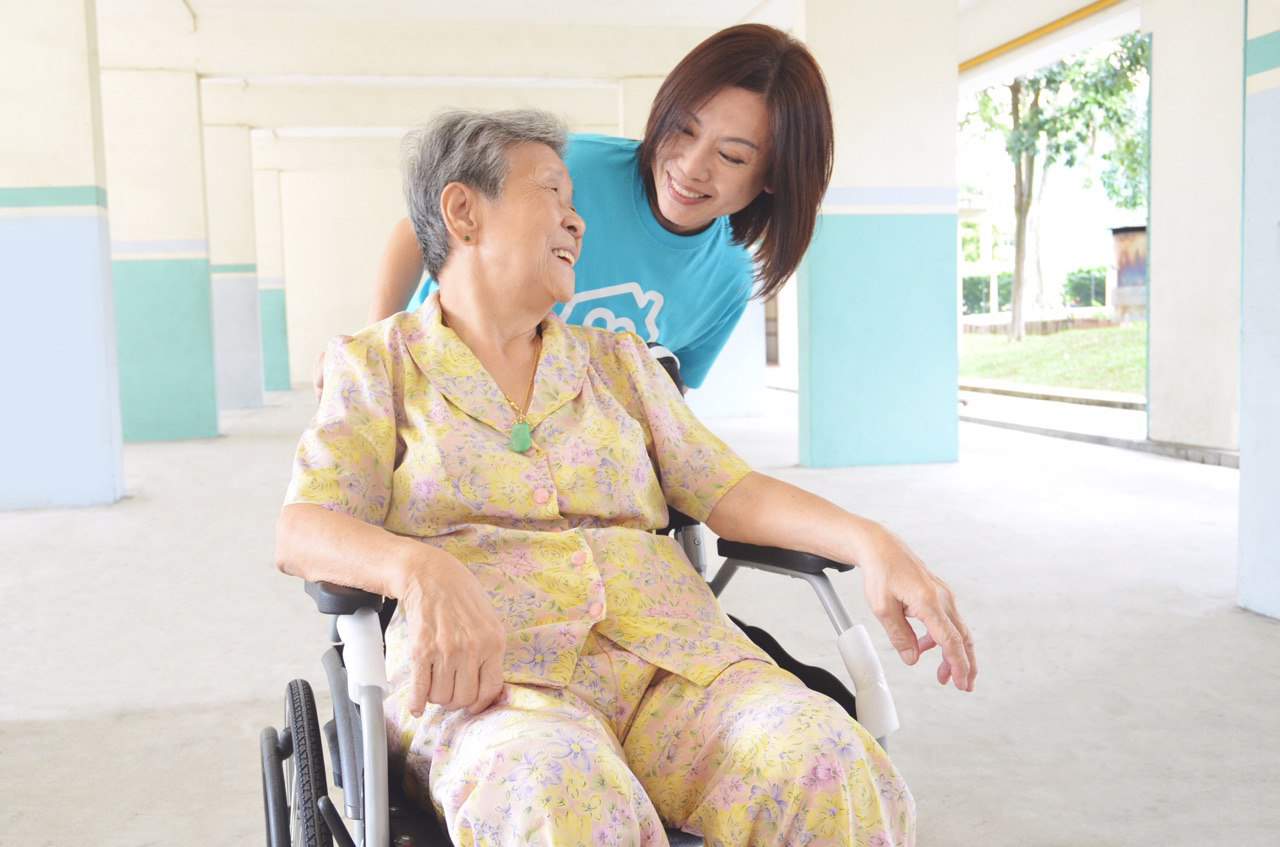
714,165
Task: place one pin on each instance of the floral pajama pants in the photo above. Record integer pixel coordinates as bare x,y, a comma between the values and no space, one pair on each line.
755,758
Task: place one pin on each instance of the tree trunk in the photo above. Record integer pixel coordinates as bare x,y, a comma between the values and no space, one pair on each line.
1016,322
1024,171
1035,221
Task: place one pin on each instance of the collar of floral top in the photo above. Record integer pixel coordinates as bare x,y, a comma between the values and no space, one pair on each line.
456,372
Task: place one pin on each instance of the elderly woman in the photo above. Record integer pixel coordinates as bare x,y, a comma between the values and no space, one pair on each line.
560,673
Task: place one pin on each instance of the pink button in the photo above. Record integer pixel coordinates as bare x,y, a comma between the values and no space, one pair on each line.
541,495
579,558
595,609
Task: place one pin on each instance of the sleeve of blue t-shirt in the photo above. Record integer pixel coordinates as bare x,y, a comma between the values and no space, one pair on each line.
696,360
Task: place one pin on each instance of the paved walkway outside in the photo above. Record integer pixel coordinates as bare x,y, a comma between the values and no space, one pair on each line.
1102,421
1104,425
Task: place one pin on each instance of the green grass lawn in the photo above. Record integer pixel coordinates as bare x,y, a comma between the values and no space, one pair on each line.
1112,358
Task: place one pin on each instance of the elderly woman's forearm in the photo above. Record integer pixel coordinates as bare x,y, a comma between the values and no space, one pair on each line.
772,513
317,544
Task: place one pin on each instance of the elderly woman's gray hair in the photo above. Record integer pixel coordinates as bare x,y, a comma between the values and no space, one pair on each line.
470,148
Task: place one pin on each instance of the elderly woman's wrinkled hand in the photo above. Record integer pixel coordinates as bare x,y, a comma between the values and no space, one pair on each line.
456,639
899,586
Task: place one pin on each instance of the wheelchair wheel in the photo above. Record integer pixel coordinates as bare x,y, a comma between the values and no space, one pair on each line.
304,774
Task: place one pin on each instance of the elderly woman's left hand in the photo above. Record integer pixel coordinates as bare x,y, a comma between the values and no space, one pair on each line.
898,586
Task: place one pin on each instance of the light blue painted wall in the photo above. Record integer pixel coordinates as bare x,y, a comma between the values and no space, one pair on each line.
275,339
61,419
237,339
165,342
878,356
1259,571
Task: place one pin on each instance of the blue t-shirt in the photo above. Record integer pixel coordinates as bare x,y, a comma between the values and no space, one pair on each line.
685,292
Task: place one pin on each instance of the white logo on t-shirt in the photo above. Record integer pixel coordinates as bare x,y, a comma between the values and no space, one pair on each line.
631,307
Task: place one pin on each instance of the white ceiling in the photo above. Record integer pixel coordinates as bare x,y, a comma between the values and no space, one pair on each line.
694,13
588,12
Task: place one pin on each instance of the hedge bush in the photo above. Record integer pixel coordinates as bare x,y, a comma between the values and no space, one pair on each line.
1086,287
976,298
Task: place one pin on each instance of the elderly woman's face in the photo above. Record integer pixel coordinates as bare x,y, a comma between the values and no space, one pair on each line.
532,234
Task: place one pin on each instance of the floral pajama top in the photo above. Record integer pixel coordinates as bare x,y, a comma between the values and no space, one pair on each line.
412,434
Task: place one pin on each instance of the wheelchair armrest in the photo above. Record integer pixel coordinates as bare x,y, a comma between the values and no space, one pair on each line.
791,560
676,520
334,599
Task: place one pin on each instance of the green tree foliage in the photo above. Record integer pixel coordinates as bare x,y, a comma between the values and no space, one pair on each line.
1086,287
970,241
977,293
1056,115
1103,104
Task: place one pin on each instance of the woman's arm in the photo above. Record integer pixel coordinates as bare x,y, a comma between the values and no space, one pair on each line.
399,272
456,640
771,513
703,478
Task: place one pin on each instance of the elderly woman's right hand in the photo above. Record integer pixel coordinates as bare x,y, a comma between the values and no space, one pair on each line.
456,640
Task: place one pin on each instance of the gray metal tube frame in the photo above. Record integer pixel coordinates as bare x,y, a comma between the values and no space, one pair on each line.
377,797
347,723
817,581
690,538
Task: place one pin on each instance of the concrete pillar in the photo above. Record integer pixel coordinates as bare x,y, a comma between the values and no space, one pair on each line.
735,387
160,254
1259,573
635,96
61,424
1194,259
877,310
237,331
269,236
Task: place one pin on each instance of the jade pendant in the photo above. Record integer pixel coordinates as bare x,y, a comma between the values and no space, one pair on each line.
521,440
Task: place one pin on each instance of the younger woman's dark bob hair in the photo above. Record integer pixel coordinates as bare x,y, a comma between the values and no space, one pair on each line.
771,63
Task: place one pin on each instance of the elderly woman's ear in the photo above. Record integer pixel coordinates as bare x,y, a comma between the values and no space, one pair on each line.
460,208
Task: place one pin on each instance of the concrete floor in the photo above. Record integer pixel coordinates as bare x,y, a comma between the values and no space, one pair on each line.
1123,698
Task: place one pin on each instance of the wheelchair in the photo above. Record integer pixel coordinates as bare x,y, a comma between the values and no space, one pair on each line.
299,811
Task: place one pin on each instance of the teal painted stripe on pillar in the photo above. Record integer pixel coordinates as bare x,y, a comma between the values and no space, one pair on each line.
249,268
53,195
164,332
275,340
878,358
1262,53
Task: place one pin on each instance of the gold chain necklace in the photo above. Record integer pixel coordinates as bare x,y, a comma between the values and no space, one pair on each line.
521,435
